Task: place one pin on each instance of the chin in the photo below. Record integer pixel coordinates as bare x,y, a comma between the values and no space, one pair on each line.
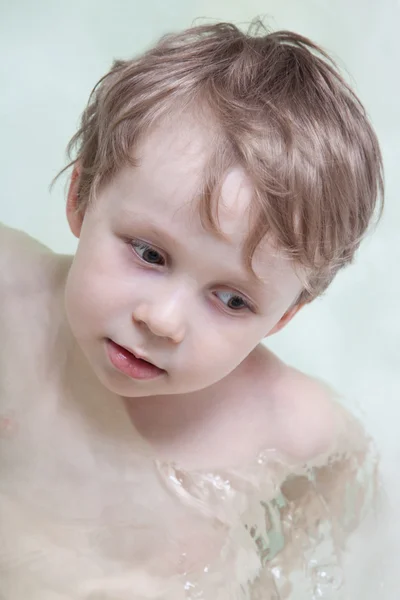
129,388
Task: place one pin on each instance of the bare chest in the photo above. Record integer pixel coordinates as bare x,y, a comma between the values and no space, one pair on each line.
78,512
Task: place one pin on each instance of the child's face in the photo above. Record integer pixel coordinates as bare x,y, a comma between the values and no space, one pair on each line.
148,276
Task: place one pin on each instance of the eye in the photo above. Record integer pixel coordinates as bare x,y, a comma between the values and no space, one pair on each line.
233,301
147,253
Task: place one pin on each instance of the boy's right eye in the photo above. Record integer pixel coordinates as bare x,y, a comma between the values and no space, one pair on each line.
147,253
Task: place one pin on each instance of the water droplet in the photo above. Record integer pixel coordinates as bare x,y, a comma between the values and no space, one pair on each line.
188,585
327,579
193,592
277,572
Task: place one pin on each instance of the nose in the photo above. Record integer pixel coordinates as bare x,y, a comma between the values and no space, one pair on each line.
162,316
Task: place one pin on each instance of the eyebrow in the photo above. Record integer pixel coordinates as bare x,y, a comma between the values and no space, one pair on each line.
163,235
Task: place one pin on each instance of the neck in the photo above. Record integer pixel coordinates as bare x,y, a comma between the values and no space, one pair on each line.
167,418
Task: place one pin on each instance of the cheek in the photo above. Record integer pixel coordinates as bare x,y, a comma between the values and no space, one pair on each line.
89,293
224,350
75,299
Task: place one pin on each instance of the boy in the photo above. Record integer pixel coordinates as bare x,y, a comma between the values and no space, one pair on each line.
150,446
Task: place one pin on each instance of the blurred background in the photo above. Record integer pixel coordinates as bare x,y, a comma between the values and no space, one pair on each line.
53,52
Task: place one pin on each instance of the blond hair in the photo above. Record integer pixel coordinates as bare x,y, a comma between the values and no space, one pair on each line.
280,109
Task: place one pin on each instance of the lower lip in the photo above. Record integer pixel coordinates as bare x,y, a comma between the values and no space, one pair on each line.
125,362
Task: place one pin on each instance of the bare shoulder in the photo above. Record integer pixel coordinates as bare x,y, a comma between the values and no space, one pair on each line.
309,421
21,261
333,467
29,275
11,238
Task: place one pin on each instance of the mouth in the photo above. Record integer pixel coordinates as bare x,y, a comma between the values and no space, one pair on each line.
130,363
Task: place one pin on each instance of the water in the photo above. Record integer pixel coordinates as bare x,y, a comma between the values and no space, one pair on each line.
281,540
269,530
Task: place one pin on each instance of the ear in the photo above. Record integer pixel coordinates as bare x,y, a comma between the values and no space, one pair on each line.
74,215
287,317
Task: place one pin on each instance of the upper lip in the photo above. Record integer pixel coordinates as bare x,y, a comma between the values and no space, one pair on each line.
138,354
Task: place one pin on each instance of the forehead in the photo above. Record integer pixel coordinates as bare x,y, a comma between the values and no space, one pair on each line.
172,161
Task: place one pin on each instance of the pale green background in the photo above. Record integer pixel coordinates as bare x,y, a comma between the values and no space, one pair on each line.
51,54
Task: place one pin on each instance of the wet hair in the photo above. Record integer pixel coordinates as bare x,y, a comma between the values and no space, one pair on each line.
278,107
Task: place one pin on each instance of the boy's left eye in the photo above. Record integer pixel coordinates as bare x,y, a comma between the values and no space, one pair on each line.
233,300
147,253
151,255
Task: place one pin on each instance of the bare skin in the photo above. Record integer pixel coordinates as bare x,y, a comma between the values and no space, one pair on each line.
65,443
91,505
